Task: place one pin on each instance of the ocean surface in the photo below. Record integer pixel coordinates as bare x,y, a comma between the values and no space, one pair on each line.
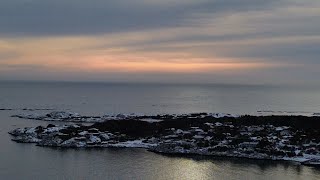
26,161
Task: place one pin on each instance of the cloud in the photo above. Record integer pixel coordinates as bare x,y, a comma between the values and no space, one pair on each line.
60,17
212,40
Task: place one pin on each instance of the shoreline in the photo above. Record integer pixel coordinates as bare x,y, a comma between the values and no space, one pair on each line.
280,138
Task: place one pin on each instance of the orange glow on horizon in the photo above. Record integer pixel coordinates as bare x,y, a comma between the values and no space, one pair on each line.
126,63
76,54
168,66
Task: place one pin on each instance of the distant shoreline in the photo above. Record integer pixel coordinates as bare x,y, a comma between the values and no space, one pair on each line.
164,83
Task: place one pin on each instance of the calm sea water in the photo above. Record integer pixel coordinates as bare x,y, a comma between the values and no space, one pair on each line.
26,161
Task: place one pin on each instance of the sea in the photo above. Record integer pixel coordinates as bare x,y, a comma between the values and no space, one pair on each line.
27,161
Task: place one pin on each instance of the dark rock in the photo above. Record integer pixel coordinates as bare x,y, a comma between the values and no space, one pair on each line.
51,125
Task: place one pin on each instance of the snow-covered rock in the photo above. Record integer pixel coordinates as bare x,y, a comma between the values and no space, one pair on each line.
63,115
193,136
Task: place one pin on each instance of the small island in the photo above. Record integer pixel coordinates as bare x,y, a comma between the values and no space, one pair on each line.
292,138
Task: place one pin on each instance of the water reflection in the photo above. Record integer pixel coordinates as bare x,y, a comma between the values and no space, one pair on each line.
204,167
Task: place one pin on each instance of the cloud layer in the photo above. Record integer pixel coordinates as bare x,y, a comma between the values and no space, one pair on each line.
247,41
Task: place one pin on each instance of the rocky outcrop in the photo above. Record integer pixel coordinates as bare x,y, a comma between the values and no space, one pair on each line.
277,138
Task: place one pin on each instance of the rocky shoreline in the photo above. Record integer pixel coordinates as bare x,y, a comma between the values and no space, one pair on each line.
66,116
292,138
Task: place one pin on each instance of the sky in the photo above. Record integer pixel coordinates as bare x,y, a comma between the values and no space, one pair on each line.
179,41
